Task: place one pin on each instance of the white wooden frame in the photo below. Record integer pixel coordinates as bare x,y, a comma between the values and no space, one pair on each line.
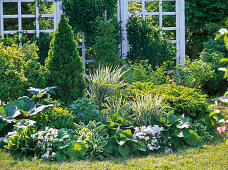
57,11
123,16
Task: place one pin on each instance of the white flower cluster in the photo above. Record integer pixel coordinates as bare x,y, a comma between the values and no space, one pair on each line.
150,134
45,141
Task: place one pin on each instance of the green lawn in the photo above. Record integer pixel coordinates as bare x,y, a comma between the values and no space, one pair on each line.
213,156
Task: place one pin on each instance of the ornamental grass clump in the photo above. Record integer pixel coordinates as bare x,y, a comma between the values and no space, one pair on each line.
99,81
147,108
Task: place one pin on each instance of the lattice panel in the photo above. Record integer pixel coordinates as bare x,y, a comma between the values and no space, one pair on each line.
163,12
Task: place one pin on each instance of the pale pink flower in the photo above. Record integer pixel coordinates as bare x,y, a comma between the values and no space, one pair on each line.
221,130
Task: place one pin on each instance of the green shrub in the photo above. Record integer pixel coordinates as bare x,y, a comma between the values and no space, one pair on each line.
85,110
43,43
64,64
106,47
182,99
19,70
199,14
146,43
55,118
143,72
197,73
217,84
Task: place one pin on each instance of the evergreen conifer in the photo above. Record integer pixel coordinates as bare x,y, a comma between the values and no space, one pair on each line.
64,64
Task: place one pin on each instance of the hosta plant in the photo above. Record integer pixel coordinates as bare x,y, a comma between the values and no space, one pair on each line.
94,137
177,129
123,144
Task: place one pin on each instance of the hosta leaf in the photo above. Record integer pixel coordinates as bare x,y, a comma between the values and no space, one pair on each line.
172,117
123,150
2,112
60,156
194,139
128,133
186,133
141,146
132,147
109,147
182,126
179,133
102,144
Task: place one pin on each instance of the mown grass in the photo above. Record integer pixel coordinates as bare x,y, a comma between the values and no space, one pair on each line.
210,156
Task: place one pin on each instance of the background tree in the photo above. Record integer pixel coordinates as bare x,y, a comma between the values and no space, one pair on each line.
64,64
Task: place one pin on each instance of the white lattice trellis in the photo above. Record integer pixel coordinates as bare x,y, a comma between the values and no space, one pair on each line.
123,16
56,16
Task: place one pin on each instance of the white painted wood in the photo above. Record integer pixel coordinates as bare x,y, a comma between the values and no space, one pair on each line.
153,13
177,33
19,20
83,52
160,16
37,20
124,19
182,33
1,20
143,9
55,12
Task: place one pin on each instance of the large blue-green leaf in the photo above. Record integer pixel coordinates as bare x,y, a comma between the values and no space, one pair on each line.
22,103
39,109
37,92
172,118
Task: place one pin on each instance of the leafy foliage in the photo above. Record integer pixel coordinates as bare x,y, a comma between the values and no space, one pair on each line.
21,140
147,43
55,118
147,108
88,12
122,144
85,111
216,84
182,99
93,136
143,72
177,128
197,73
19,69
64,64
199,15
106,46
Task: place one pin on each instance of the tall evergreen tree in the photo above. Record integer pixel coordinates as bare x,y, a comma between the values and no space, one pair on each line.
64,64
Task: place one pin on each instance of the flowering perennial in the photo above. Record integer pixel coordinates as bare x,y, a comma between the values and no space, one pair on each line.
151,137
45,140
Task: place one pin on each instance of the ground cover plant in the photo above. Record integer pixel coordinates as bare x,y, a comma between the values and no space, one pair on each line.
137,116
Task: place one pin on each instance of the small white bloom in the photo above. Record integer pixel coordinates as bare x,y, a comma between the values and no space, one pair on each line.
221,121
222,31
